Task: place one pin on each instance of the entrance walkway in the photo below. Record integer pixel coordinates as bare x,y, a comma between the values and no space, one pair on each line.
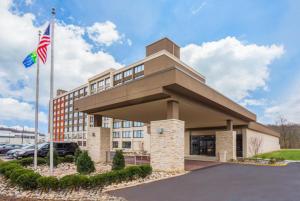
190,165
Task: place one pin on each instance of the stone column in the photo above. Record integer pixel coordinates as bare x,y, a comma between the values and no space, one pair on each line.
226,143
98,143
172,109
229,125
167,145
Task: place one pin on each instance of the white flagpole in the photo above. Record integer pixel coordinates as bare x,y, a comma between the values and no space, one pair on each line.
51,90
37,108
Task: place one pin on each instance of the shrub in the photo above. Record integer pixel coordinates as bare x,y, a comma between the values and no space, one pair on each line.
146,170
28,180
98,180
84,163
74,181
272,160
66,159
47,183
76,154
118,161
8,167
16,173
29,161
55,158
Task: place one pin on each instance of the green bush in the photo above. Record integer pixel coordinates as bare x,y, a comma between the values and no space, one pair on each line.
29,161
28,180
16,173
146,170
74,181
118,161
55,158
77,154
272,160
84,163
66,159
7,168
47,183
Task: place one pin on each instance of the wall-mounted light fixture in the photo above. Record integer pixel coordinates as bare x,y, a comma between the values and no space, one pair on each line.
160,130
93,134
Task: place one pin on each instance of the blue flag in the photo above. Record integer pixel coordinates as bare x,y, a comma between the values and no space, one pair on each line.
30,60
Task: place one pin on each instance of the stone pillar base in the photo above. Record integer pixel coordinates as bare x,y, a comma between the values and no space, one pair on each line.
167,145
98,143
226,145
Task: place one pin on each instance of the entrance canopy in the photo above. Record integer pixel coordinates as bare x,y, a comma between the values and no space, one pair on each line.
169,93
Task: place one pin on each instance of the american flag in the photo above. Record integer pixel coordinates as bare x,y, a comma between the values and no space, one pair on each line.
43,44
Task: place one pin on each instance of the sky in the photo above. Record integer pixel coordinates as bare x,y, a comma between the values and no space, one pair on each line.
247,50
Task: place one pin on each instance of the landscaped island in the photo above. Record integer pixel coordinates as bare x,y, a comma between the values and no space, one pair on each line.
285,154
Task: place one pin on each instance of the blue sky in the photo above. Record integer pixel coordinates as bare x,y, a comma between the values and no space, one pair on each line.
266,32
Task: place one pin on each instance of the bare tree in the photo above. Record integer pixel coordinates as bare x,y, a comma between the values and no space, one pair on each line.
255,145
284,131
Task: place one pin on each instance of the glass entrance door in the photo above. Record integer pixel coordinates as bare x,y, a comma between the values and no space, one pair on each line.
203,145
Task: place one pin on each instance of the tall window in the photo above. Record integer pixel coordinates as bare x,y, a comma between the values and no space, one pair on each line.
138,134
107,83
126,134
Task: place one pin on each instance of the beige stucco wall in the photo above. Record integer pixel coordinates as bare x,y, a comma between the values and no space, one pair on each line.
98,143
167,148
268,143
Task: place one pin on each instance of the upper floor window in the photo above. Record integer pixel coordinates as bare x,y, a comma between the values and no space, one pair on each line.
138,134
127,124
126,134
118,76
117,124
138,69
126,144
138,124
116,134
107,82
128,73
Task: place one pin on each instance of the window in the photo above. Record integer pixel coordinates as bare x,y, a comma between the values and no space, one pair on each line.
138,69
117,124
75,114
93,88
70,109
138,134
126,145
76,93
81,91
70,116
70,122
115,144
126,134
101,85
105,125
107,82
138,124
118,77
128,73
116,135
127,124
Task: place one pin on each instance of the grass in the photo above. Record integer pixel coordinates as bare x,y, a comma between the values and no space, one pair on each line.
287,154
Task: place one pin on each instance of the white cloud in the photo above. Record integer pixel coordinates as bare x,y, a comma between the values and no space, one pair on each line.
104,33
75,61
231,66
12,109
288,106
253,102
18,127
28,2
